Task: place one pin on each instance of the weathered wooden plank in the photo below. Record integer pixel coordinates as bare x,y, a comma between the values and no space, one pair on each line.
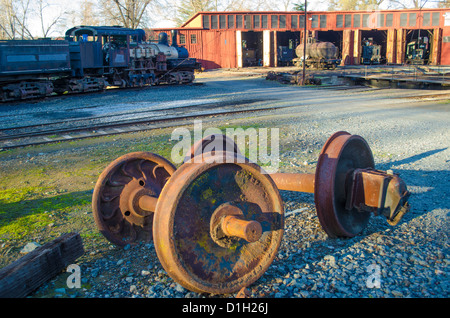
26,274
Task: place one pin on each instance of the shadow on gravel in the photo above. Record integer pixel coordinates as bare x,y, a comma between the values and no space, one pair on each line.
429,188
412,159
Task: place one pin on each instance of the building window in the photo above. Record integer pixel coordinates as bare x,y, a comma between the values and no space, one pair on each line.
323,21
206,21
223,21
314,21
256,21
339,21
214,22
389,19
231,21
282,22
365,22
239,21
294,21
248,21
193,39
301,21
380,20
436,16
274,21
182,39
264,24
412,19
348,21
356,20
426,19
403,19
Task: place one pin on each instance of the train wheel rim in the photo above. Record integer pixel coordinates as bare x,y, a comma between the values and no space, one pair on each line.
125,179
341,154
182,225
212,143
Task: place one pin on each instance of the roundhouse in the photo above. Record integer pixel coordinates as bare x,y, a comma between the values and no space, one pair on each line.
239,39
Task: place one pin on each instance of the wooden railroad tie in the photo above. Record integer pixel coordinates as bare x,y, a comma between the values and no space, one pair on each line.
26,274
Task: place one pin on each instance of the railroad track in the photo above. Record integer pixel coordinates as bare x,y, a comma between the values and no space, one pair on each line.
57,125
96,126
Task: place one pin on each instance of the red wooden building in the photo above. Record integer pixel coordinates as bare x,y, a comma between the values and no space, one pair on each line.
221,39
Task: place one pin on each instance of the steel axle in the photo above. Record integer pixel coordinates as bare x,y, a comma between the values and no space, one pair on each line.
368,190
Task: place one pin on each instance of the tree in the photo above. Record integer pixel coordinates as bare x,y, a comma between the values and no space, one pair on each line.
49,24
14,19
88,13
299,7
128,13
181,11
444,4
354,4
418,4
190,7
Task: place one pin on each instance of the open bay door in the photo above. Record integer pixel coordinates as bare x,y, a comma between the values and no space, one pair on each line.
239,49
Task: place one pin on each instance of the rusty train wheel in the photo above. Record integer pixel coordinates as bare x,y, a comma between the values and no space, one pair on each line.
115,201
212,143
341,154
190,246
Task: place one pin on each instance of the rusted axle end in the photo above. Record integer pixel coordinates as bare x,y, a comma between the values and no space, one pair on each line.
228,225
235,226
379,192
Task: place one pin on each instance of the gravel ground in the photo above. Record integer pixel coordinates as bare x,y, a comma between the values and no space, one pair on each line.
406,133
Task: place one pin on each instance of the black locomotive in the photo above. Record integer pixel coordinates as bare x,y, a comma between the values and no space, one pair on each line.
90,59
418,52
370,52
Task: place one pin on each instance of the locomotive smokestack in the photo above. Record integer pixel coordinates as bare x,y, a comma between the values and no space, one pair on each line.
174,38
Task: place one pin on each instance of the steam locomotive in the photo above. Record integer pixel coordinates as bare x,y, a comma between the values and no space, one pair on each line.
90,59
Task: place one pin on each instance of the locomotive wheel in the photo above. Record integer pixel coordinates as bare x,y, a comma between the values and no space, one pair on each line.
212,143
218,226
115,201
341,154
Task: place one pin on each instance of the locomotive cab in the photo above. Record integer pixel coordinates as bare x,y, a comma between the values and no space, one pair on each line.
94,48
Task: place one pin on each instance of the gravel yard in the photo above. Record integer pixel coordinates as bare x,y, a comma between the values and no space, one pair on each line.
407,130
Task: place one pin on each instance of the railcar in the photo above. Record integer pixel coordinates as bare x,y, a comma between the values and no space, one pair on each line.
320,55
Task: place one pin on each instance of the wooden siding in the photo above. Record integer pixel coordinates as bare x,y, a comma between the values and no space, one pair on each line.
212,48
445,47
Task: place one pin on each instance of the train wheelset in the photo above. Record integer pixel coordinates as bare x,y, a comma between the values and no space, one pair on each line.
218,220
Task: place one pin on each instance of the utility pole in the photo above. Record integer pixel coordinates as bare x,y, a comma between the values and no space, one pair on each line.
304,48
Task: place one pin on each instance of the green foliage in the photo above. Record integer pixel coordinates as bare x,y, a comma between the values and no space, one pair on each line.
299,7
